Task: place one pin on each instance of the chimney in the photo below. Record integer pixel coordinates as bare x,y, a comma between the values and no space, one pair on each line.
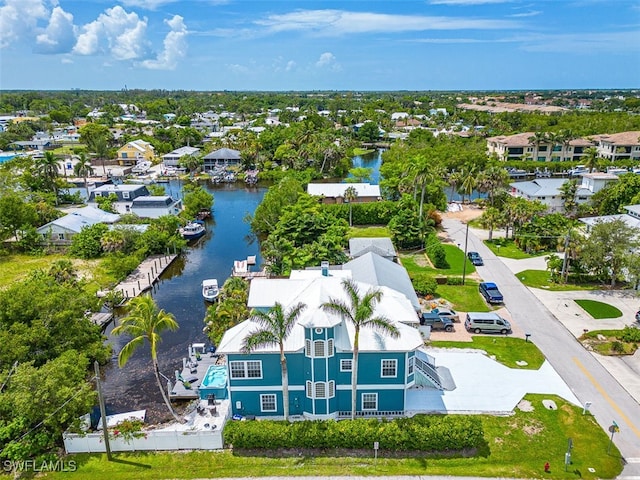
324,266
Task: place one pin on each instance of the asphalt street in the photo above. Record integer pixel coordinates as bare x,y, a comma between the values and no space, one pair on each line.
584,375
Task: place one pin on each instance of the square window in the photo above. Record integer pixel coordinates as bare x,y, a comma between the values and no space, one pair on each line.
237,369
268,403
346,365
254,369
61,236
389,368
125,194
369,401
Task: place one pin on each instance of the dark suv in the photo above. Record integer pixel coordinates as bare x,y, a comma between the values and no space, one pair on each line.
475,258
490,292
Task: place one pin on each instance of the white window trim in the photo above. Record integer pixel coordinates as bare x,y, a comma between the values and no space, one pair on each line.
245,370
263,396
362,401
411,365
382,368
342,367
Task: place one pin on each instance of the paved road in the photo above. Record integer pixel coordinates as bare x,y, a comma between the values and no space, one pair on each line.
586,377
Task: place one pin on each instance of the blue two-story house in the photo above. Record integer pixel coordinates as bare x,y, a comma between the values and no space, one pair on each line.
319,354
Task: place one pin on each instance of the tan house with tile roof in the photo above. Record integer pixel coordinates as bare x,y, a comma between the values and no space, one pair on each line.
619,146
520,146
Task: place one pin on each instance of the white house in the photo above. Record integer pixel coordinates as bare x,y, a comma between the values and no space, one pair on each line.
62,230
136,199
172,159
334,192
631,218
151,206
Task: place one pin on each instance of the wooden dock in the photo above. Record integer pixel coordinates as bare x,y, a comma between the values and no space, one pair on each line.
143,277
193,371
101,319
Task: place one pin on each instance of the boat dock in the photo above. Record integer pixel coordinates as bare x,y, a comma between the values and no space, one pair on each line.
101,319
143,277
194,368
242,269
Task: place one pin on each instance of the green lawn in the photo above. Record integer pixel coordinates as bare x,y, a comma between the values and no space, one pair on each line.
612,344
417,262
507,350
508,249
517,447
599,310
465,298
369,231
362,151
541,279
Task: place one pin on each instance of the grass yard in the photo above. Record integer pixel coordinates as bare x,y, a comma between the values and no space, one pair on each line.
16,267
363,151
507,350
417,262
599,310
541,279
369,232
465,298
508,249
516,447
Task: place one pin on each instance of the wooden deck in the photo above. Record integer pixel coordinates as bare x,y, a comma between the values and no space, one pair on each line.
101,319
143,277
192,369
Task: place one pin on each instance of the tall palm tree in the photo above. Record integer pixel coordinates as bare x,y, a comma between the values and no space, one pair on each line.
491,180
536,139
553,139
47,168
350,195
145,321
359,310
275,327
591,158
468,182
83,169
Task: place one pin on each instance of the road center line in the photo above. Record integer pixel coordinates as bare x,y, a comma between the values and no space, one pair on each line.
607,397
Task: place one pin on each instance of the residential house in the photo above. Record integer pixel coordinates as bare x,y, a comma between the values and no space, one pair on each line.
62,230
134,152
334,192
547,190
631,218
172,159
152,206
319,354
619,146
125,195
383,246
521,146
222,157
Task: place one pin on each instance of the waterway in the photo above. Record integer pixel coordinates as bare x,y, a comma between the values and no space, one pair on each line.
178,292
371,160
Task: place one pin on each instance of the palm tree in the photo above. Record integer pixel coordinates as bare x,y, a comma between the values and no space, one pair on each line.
47,168
536,139
491,180
359,310
553,139
568,195
146,321
350,195
275,328
490,219
591,158
83,169
101,149
467,182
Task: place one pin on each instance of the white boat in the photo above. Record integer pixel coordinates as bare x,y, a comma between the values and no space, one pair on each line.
210,290
193,230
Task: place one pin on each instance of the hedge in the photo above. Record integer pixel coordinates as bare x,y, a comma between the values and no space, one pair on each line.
368,213
425,433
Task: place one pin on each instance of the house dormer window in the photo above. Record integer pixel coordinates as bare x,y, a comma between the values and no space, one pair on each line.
125,195
318,348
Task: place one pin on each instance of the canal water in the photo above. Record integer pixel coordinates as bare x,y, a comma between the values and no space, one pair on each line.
371,160
179,292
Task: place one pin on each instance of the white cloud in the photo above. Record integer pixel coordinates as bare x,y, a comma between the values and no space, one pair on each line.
237,68
115,31
290,65
148,4
339,22
175,46
530,13
583,43
327,60
60,34
19,18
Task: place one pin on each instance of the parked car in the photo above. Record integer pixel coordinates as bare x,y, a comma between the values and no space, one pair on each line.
490,292
478,322
447,313
436,322
475,258
638,316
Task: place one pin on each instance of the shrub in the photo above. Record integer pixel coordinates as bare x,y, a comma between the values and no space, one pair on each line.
617,346
426,433
424,284
630,334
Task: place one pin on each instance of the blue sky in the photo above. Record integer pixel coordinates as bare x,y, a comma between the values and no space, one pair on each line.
319,45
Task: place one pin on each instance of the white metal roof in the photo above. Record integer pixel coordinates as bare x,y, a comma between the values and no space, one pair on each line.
338,189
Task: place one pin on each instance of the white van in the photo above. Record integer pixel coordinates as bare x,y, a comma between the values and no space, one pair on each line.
478,322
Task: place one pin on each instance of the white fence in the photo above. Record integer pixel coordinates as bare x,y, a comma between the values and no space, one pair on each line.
154,440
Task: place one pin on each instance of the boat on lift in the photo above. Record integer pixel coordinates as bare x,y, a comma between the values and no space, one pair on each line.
210,289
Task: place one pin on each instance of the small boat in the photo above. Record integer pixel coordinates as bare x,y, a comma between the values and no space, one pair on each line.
210,290
193,230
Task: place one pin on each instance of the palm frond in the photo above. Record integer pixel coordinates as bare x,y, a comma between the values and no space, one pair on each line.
128,350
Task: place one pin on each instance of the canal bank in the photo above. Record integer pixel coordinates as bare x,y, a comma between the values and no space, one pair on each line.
179,292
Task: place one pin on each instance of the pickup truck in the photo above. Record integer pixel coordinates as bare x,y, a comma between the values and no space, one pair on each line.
490,292
436,322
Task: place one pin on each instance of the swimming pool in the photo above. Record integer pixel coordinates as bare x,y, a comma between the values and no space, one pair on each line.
214,382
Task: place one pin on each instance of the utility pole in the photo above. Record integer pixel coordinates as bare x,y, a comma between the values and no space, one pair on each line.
103,413
464,260
564,260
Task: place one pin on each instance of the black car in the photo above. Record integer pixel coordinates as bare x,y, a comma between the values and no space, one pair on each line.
475,258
